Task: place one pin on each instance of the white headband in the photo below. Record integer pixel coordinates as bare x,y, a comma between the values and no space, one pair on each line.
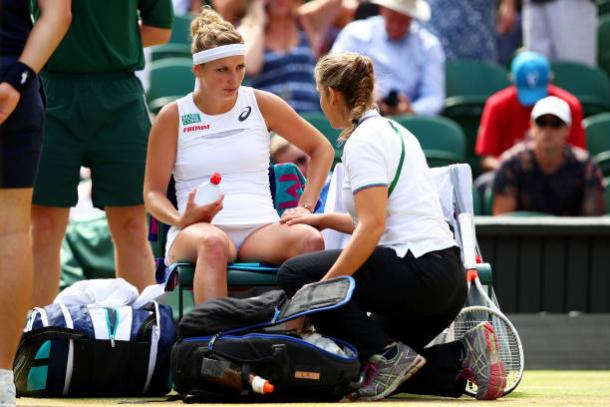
223,51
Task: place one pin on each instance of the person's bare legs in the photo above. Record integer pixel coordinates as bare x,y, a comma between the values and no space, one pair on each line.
47,232
133,256
15,269
277,243
211,250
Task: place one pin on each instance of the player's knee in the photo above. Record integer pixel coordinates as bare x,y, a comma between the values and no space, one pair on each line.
311,240
213,247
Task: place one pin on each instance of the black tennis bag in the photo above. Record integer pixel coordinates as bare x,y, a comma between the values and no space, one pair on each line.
227,346
93,351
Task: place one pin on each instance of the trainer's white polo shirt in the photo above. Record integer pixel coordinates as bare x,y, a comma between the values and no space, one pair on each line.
414,220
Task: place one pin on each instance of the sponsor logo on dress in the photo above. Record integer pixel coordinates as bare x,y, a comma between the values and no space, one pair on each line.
196,127
245,113
191,118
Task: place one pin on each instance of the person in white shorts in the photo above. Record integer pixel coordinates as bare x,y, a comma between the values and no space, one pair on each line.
561,29
224,127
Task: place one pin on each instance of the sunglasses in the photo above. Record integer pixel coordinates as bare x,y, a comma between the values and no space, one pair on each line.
553,122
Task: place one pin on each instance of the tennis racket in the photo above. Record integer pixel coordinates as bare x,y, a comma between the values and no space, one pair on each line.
482,308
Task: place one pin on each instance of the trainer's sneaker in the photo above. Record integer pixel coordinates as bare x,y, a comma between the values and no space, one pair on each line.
482,364
383,376
7,388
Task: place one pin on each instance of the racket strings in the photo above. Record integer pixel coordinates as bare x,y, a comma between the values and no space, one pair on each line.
508,342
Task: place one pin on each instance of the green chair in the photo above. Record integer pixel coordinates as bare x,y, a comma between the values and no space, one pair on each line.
320,122
170,50
590,85
607,195
603,8
468,84
477,203
181,30
472,80
603,41
157,104
442,139
597,132
488,201
170,77
603,160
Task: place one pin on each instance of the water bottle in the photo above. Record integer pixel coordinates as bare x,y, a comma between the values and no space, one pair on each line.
208,192
228,374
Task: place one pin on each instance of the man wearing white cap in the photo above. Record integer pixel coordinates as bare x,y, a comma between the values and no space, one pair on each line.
409,60
546,174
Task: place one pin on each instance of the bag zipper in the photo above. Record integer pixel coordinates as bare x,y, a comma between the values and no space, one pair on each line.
112,316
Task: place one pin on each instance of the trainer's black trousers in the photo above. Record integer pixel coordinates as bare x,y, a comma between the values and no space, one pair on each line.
409,300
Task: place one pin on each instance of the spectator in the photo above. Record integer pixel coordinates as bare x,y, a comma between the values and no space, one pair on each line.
97,117
506,116
409,60
547,175
23,52
281,47
231,10
184,7
283,151
468,29
561,29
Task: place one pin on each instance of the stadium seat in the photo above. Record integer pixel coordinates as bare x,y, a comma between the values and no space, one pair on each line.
590,85
320,122
442,139
170,50
597,133
603,42
603,8
468,84
181,30
603,160
607,195
157,104
170,77
477,203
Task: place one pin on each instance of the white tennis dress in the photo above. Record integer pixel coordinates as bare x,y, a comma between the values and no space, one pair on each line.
234,144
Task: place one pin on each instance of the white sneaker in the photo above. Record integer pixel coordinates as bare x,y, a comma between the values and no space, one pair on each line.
7,388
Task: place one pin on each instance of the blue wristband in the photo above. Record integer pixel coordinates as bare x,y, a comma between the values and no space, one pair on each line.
19,76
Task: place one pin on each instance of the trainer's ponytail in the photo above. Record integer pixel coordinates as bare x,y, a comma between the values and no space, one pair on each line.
351,74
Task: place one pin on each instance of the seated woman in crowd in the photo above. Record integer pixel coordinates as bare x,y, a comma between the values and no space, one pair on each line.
402,255
282,44
224,127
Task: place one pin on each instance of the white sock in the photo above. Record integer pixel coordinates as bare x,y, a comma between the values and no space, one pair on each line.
6,372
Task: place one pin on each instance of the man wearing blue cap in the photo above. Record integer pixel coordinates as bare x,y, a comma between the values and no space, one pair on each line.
506,116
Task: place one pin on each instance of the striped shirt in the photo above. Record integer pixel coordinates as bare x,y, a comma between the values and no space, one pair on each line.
290,76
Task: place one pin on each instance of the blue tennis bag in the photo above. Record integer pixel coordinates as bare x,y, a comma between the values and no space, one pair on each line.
224,344
94,351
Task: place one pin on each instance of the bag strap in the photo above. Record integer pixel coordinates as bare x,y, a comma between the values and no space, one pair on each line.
402,158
